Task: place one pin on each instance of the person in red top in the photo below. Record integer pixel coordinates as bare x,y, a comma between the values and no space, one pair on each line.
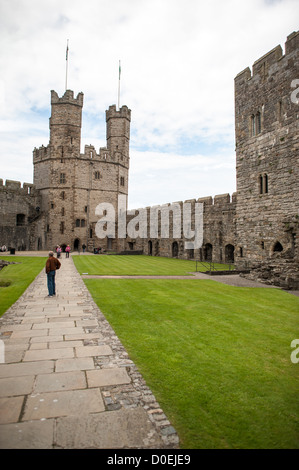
51,265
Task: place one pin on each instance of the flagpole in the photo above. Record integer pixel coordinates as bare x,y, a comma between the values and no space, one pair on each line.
119,72
67,61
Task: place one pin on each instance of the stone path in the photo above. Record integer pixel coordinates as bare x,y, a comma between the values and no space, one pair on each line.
66,381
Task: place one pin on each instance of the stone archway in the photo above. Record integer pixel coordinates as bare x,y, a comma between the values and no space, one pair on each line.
229,253
77,244
175,249
208,252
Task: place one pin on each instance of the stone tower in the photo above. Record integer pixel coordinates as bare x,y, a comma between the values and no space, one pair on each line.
72,184
267,148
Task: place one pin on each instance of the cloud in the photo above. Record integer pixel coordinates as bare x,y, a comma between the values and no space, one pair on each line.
179,59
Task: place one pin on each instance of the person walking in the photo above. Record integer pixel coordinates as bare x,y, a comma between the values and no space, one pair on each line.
51,265
67,251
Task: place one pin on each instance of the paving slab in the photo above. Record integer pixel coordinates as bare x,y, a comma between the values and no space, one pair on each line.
66,403
23,435
58,381
67,381
104,377
122,429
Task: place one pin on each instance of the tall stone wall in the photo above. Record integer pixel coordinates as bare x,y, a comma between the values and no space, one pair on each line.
21,216
267,149
218,230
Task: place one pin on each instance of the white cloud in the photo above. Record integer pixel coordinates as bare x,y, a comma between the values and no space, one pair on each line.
179,59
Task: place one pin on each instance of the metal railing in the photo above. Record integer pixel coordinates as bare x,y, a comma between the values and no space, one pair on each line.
211,266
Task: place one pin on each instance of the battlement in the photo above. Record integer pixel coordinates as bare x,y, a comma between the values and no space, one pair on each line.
123,112
262,66
41,153
67,98
219,201
16,186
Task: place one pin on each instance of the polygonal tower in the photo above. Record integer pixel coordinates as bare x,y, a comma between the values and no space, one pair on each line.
72,184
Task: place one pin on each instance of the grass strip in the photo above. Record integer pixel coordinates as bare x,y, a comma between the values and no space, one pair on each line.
15,278
216,357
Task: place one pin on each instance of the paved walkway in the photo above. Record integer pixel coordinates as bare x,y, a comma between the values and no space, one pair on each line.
67,382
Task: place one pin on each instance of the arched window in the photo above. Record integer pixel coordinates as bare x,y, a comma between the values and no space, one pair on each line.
278,247
258,123
263,184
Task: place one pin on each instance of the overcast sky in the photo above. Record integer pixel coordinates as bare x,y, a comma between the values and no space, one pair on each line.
178,63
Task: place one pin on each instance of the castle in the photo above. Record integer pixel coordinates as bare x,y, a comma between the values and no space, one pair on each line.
256,227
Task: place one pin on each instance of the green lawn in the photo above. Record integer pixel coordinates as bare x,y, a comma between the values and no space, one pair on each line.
135,265
19,277
216,357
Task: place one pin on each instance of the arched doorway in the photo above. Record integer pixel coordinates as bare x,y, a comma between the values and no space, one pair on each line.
76,244
39,243
208,252
229,253
175,249
150,248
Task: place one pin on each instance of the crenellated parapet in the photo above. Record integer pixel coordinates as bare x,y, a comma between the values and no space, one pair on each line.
123,112
67,98
41,153
269,62
16,187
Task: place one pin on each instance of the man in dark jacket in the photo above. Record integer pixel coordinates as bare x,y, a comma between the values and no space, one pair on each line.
51,265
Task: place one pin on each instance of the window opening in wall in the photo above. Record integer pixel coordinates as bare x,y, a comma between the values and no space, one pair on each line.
263,184
262,245
52,205
62,211
61,227
241,252
85,209
62,194
97,175
82,222
20,219
278,247
253,125
62,178
258,123
77,222
122,181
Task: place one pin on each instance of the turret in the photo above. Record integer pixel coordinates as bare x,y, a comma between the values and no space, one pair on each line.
65,124
118,133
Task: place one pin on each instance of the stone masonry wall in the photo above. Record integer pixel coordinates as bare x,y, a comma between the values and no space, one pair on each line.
20,209
267,148
218,231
